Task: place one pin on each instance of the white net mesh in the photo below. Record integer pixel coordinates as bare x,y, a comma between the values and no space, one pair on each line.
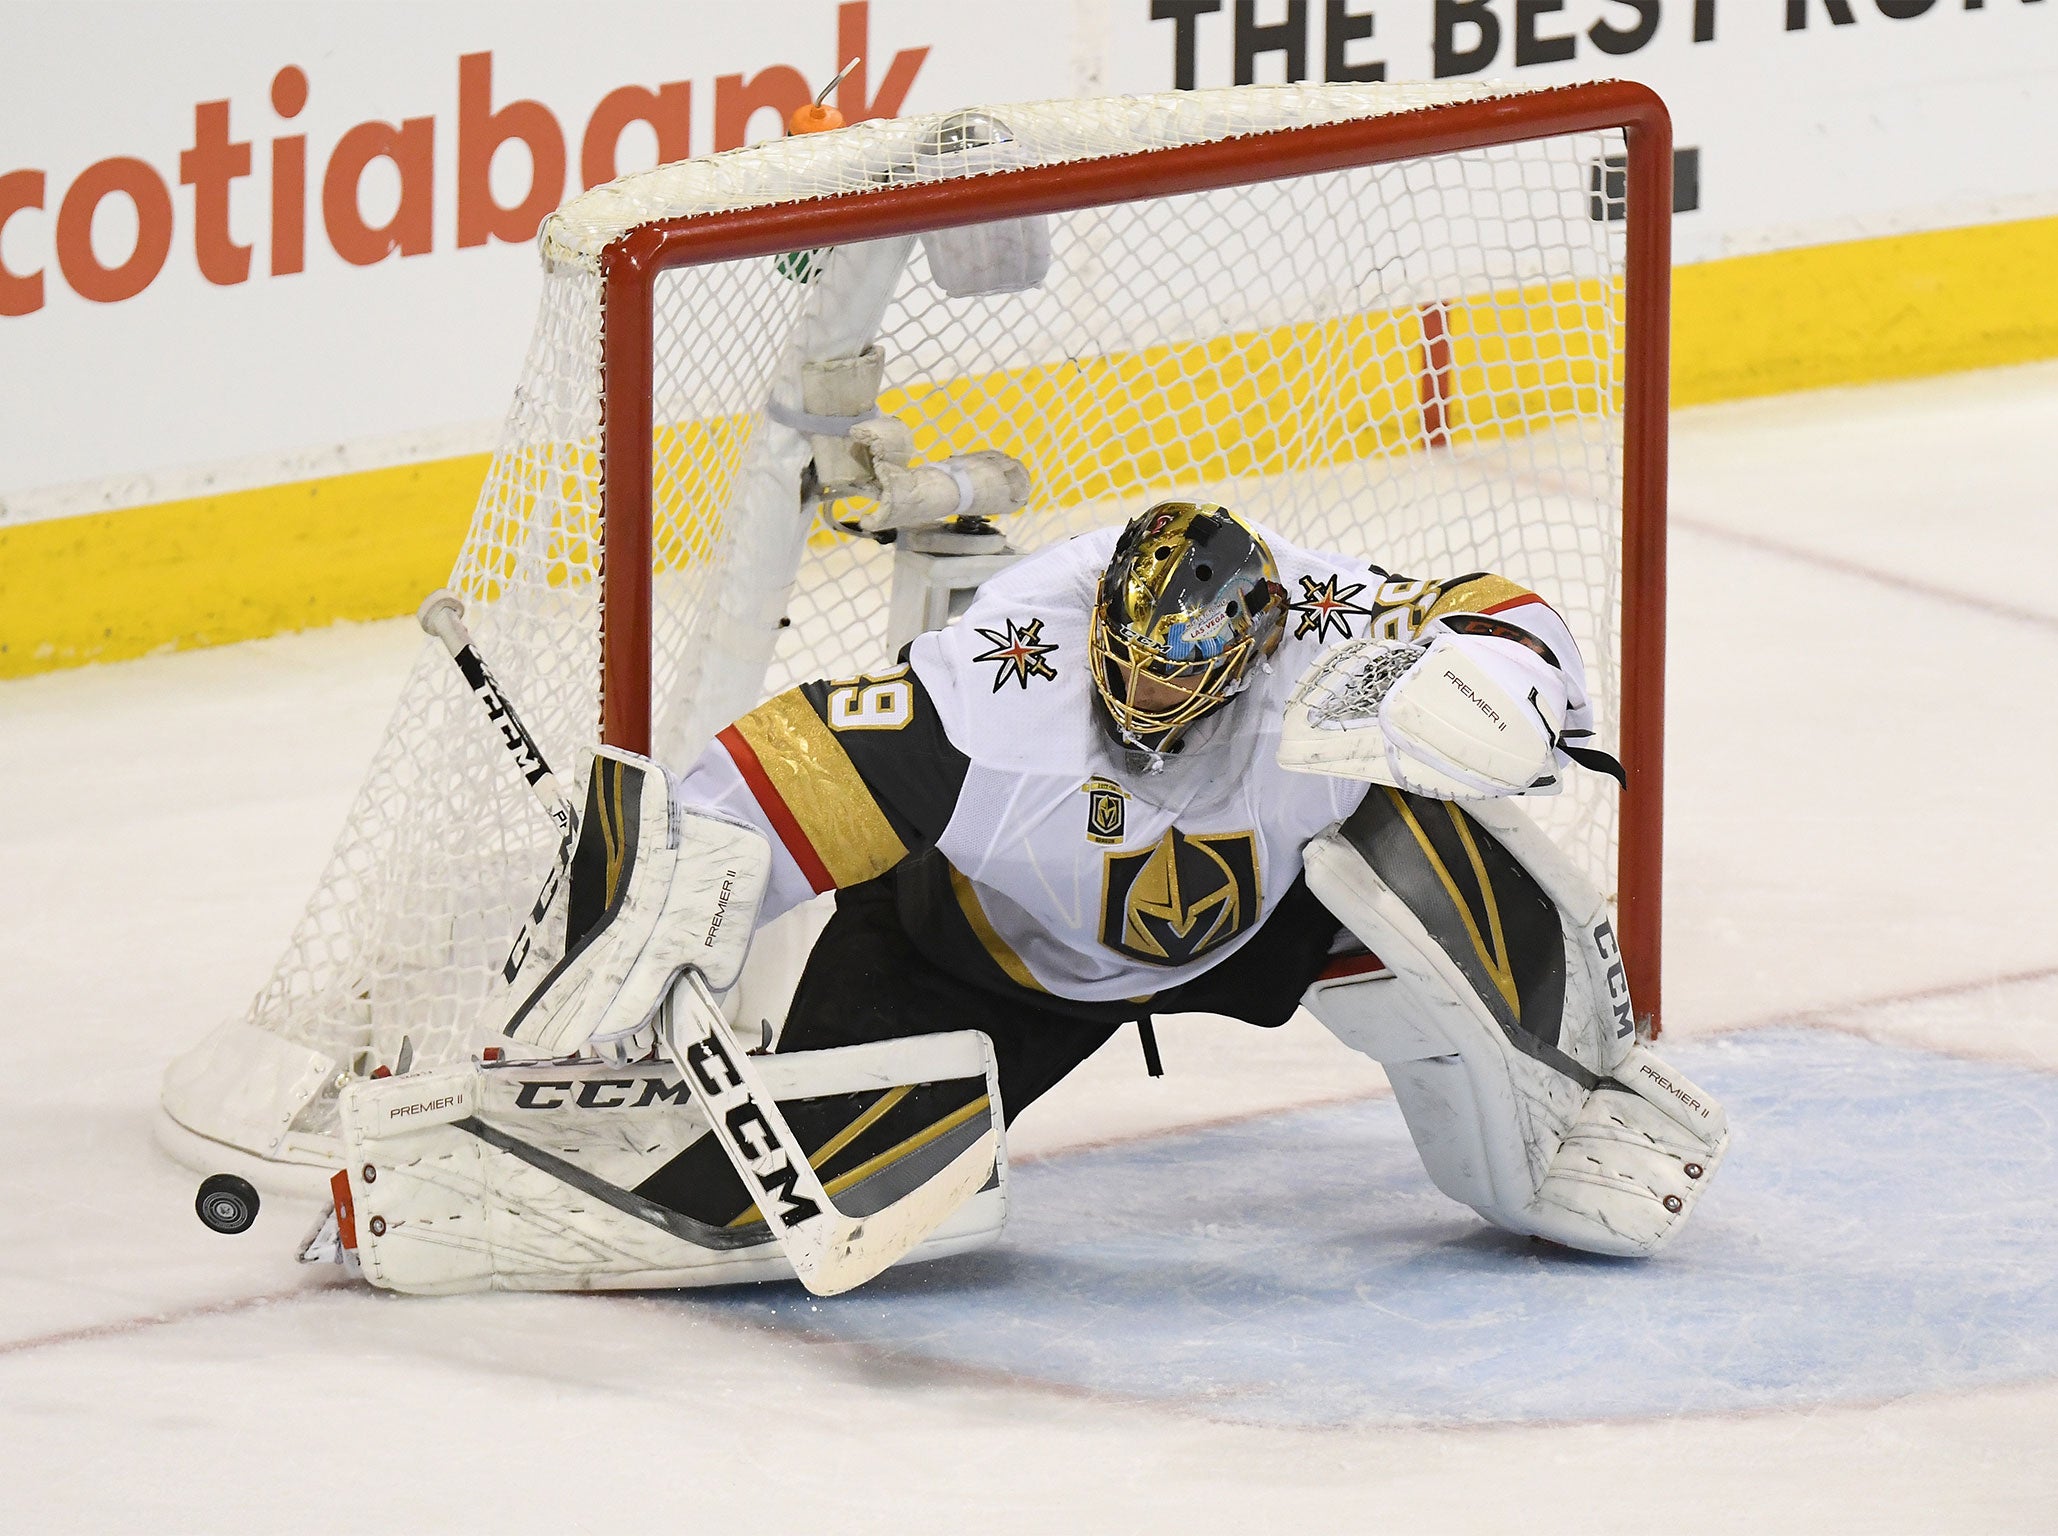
1417,364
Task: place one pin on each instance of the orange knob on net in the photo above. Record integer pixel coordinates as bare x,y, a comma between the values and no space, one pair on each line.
818,116
815,117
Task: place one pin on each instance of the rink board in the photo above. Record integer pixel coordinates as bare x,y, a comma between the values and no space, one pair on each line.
1883,1227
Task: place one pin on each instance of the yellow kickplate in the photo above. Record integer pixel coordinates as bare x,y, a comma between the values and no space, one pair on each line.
215,569
1864,311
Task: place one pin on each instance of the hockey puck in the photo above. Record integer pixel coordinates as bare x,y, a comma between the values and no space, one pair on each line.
226,1203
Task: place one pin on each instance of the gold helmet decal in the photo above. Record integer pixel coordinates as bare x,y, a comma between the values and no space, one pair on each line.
1190,603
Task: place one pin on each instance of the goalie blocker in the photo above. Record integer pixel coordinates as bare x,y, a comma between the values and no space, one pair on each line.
654,889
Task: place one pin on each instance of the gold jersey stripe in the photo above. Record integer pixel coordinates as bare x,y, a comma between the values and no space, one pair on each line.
1482,594
809,770
1002,952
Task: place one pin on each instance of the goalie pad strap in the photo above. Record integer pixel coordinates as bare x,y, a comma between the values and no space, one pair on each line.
1594,760
817,426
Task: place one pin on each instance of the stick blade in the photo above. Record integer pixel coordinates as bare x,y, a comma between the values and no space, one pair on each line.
848,1253
830,1249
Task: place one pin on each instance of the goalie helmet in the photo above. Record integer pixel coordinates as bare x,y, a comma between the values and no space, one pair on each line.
1188,606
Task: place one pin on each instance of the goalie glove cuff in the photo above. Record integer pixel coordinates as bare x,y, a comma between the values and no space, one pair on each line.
1476,716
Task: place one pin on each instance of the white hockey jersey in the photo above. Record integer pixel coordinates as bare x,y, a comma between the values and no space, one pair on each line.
1028,849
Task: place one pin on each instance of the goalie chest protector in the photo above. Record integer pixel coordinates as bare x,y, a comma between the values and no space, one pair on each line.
1067,867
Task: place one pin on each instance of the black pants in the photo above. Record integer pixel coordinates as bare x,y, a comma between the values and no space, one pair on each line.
866,980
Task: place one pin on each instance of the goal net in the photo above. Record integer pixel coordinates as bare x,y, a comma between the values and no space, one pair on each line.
1398,322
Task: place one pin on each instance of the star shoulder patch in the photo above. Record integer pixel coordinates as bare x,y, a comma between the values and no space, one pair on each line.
1019,651
1326,609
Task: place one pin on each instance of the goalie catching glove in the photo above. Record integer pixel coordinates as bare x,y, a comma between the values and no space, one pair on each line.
655,889
1473,709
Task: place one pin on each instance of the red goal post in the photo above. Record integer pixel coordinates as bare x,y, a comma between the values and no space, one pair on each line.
630,266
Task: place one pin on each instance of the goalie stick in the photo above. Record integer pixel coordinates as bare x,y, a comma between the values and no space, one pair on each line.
830,1250
442,615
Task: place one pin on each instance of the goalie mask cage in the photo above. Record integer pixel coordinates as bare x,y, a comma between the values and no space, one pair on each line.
1423,325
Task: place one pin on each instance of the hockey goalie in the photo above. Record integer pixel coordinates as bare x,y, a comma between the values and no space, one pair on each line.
1179,766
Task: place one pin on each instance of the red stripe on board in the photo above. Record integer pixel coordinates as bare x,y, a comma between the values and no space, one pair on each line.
1435,387
774,806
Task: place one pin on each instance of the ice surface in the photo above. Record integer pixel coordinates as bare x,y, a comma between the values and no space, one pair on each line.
1300,1268
1864,642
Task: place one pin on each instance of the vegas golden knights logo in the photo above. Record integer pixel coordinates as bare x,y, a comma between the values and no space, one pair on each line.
1175,901
1107,808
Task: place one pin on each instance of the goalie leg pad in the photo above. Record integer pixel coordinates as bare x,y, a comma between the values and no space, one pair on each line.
1507,1029
544,1176
654,889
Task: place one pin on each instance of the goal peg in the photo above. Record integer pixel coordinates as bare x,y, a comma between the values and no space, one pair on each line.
818,116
